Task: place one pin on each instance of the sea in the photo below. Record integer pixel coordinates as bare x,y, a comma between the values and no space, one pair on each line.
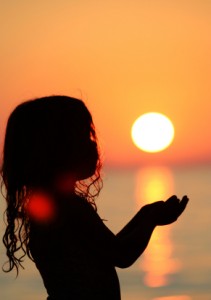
177,262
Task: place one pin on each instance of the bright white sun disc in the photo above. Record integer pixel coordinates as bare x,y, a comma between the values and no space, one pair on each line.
152,132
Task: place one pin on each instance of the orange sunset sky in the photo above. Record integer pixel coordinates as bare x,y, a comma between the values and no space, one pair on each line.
124,58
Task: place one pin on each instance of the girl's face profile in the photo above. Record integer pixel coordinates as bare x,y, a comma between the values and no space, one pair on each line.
81,162
65,181
63,140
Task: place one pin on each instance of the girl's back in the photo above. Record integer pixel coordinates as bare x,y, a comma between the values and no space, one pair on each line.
73,252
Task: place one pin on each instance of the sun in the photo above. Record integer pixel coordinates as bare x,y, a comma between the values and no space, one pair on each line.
152,132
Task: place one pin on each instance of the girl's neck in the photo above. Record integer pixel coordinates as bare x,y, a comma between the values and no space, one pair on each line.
65,184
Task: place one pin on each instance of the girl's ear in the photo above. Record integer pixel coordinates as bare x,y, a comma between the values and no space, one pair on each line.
88,162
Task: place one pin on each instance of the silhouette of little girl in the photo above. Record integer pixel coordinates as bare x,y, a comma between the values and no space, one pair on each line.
51,174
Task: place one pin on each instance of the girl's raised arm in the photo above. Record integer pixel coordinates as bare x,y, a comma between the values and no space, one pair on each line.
124,248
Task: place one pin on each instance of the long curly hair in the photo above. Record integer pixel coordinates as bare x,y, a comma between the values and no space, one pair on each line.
45,137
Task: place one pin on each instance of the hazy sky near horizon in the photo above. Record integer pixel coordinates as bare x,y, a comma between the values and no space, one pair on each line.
124,58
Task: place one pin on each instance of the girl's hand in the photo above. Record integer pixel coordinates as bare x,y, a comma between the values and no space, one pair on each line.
164,213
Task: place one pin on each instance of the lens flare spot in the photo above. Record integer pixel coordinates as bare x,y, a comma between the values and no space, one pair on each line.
40,207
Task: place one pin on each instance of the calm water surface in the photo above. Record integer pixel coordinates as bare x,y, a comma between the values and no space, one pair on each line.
177,262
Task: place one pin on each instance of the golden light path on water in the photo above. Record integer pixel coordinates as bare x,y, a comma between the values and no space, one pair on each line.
154,184
178,297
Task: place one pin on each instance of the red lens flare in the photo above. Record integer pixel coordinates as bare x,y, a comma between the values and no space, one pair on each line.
40,207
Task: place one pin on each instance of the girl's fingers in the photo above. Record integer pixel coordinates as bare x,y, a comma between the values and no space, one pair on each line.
183,203
171,210
172,200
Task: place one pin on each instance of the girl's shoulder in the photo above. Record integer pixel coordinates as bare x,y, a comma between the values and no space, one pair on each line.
74,206
53,211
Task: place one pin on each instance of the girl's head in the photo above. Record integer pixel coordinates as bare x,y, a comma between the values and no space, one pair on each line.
46,138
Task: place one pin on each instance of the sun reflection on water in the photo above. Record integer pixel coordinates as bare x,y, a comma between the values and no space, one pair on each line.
178,297
153,184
